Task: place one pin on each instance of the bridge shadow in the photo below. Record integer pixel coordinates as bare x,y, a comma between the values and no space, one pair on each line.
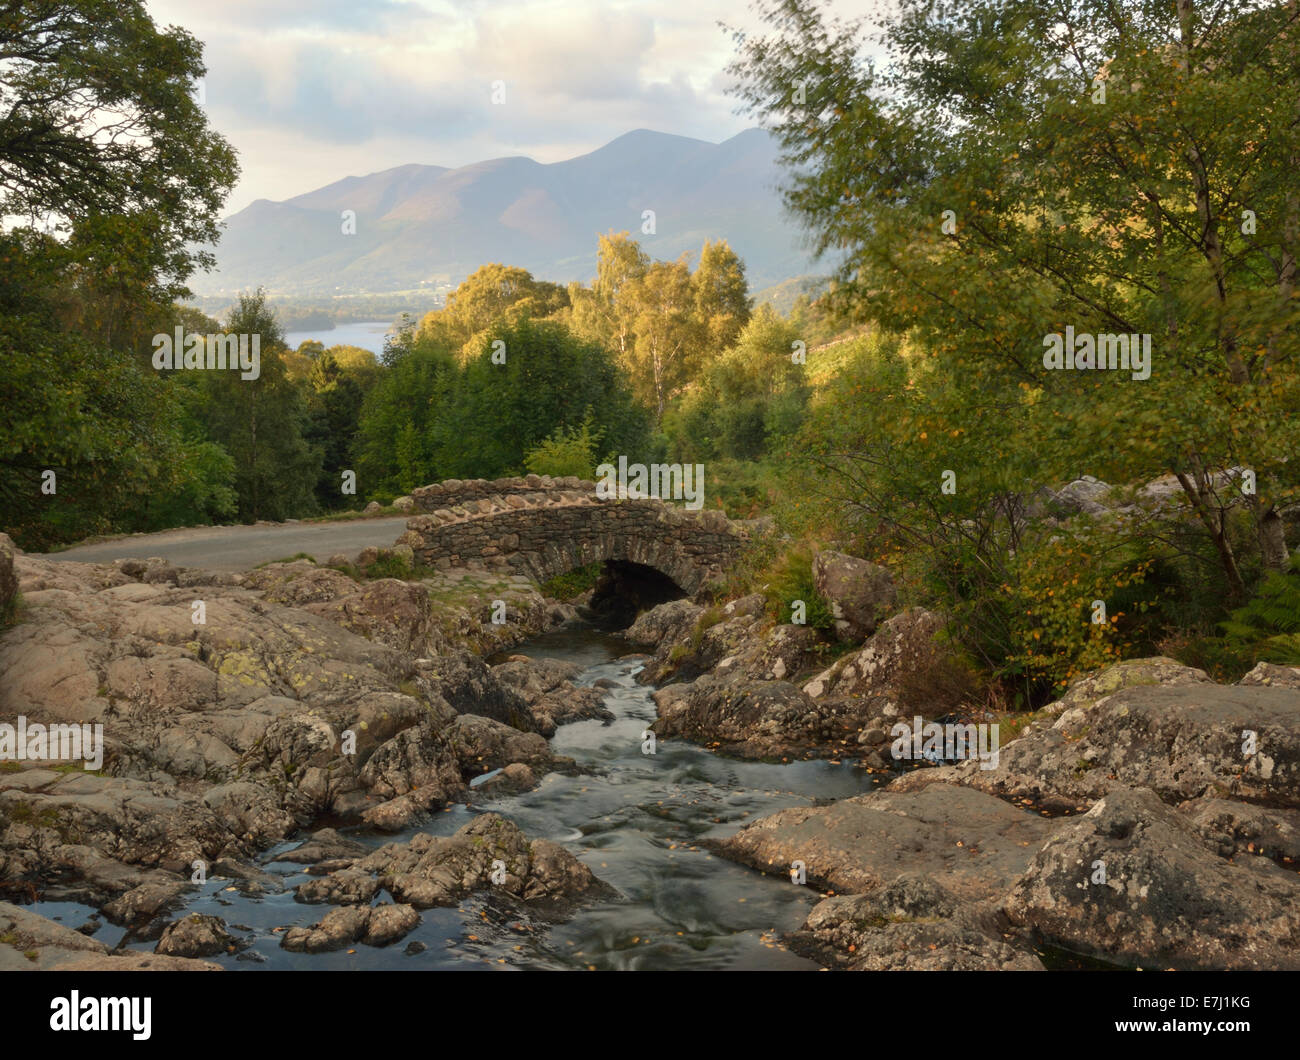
624,590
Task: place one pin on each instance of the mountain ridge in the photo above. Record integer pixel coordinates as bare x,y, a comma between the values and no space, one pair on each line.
420,225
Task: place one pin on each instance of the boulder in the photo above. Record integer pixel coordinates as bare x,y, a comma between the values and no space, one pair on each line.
487,853
466,682
750,719
903,670
1272,674
860,594
909,924
1132,882
671,621
375,926
141,904
31,942
482,745
1182,741
196,935
1232,828
324,845
546,686
1083,496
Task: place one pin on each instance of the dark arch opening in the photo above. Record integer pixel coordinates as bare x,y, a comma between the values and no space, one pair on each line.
625,589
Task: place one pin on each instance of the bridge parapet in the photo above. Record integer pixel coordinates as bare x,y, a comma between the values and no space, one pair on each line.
457,492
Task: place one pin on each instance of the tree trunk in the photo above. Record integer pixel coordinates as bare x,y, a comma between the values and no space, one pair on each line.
1272,541
1198,494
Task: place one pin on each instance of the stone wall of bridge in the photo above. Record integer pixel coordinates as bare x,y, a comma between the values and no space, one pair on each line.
542,527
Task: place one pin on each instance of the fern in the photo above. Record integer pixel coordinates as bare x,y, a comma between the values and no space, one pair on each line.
1269,625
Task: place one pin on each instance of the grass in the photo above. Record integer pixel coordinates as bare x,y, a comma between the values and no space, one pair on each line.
74,767
393,565
350,516
388,565
22,813
287,559
710,618
574,583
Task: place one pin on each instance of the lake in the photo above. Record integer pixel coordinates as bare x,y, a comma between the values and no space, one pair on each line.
367,334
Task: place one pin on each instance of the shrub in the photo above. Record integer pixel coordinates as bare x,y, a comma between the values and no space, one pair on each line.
574,583
567,451
392,565
1049,604
791,579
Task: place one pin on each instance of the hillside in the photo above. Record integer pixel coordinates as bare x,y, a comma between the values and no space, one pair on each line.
418,225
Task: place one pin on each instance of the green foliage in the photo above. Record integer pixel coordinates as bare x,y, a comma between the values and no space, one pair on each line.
262,423
744,489
396,417
392,565
1047,609
550,379
982,195
574,583
492,295
790,578
1267,628
722,302
567,451
101,126
882,444
334,395
205,492
747,402
553,401
99,418
709,618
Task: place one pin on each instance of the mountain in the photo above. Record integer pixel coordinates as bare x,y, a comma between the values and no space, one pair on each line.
418,225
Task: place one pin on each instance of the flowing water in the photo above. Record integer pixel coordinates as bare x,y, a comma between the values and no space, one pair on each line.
635,819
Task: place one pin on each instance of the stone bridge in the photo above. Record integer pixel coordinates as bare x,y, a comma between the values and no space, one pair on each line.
542,527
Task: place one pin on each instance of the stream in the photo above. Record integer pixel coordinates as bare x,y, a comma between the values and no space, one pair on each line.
635,819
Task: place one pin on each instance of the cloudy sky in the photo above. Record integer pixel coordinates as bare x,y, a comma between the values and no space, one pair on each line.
311,91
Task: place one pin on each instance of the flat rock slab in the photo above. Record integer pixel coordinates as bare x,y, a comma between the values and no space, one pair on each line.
1181,742
972,844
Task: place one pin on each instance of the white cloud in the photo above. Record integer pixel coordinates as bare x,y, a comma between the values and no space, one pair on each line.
310,91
